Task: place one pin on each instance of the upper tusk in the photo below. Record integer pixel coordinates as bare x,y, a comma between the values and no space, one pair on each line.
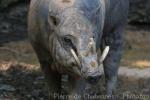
104,54
75,57
92,43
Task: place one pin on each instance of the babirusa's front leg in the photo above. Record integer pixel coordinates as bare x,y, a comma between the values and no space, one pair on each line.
111,63
53,80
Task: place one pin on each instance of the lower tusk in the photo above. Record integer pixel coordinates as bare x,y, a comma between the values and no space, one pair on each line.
75,57
104,54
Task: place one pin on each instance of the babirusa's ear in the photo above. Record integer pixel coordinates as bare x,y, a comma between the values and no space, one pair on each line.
53,21
104,54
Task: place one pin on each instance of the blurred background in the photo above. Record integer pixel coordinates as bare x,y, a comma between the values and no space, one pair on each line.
19,65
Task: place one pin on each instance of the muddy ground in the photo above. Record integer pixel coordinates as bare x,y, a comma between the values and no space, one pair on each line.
22,79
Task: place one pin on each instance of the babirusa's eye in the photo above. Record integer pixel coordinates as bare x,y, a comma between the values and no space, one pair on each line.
67,40
68,43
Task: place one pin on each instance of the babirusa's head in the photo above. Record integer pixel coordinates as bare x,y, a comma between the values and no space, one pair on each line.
74,44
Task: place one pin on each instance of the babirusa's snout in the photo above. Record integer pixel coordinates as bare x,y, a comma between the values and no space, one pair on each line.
87,63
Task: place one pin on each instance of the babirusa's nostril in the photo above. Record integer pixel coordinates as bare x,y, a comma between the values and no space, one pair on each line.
93,79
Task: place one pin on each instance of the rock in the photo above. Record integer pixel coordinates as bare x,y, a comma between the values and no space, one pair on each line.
4,87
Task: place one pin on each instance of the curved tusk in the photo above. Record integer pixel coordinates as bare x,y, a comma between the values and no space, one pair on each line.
75,57
104,54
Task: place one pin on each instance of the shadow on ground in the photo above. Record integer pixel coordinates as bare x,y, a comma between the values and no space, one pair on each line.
21,82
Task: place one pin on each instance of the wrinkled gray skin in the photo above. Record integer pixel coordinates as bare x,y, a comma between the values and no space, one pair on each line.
56,26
